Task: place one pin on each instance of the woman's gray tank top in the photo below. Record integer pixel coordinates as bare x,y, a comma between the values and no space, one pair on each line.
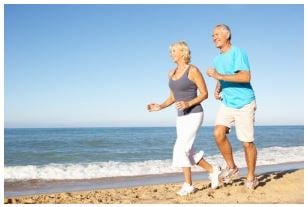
184,89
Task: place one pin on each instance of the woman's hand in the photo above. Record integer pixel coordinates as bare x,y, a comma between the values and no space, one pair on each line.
153,107
181,105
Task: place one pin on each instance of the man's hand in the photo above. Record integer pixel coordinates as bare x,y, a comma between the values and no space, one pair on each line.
217,94
211,72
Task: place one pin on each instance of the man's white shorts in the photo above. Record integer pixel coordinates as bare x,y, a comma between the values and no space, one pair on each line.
242,118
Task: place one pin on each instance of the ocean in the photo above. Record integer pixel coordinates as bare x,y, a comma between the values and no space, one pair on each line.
63,154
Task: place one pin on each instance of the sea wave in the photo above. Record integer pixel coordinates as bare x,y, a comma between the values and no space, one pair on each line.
266,156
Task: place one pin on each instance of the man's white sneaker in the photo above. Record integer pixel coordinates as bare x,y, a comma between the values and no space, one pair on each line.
214,177
228,175
186,189
252,184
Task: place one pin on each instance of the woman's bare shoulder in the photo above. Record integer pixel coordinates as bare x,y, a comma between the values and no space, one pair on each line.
194,70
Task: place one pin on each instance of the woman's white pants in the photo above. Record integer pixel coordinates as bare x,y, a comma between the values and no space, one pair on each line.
187,127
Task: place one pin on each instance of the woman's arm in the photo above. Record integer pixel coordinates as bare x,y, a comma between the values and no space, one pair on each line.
198,79
157,107
169,101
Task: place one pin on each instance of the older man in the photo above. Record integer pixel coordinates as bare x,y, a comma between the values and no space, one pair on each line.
238,105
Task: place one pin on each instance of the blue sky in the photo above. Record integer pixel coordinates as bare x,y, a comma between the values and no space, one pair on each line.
99,65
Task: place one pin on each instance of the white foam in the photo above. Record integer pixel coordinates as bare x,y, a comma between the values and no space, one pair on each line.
266,156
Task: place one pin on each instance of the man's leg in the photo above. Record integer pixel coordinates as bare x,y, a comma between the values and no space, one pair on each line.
224,145
251,158
244,125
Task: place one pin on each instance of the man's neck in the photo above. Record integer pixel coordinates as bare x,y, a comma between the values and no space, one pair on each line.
225,48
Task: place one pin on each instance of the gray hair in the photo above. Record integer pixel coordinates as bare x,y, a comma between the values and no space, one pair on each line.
226,28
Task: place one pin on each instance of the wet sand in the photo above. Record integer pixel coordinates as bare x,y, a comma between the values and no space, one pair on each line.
276,187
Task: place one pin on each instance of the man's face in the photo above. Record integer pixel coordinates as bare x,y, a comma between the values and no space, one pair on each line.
220,37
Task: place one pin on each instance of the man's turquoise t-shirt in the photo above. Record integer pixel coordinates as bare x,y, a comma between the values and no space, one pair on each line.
234,95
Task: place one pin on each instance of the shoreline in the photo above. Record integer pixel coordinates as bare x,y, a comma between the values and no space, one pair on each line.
37,187
166,184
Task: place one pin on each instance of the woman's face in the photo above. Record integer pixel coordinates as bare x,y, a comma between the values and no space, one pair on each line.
176,54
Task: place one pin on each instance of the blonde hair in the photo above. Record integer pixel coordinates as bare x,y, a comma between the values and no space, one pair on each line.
183,47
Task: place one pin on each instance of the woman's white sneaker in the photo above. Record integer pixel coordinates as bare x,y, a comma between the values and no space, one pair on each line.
214,177
186,189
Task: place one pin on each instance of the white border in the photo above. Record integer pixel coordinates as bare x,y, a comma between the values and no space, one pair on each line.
152,2
123,2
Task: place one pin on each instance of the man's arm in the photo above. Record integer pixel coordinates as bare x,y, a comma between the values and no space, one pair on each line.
240,77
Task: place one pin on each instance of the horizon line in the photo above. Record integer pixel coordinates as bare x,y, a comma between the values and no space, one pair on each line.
73,127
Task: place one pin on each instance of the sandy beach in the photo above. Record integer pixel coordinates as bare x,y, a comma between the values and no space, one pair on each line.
276,187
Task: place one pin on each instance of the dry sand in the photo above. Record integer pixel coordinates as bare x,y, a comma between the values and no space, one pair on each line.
278,187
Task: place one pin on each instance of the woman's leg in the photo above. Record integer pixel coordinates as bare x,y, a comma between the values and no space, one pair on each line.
205,165
187,175
183,153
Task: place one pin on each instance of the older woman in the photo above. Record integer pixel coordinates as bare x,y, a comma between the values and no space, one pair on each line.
185,81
